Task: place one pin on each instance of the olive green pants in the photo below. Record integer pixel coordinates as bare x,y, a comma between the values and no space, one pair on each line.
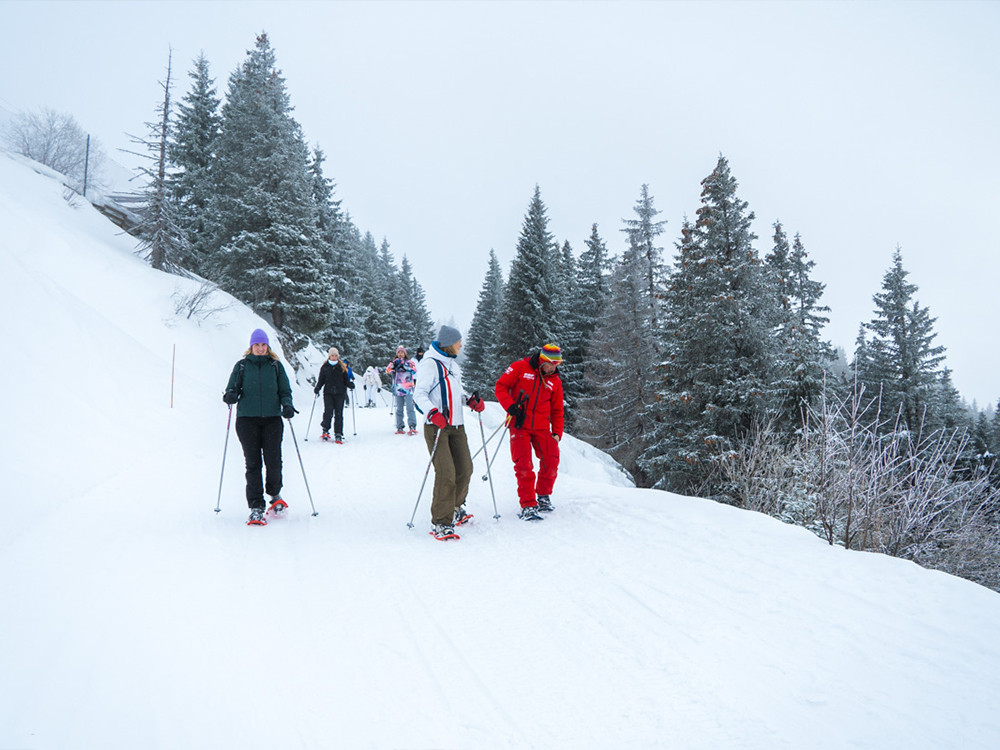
452,471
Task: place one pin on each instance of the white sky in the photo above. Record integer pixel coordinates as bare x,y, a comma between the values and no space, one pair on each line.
859,125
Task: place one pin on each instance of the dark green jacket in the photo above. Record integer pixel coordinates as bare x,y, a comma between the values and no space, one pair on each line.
262,384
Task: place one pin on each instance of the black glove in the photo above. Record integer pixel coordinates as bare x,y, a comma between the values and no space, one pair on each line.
317,390
230,397
350,384
287,411
516,412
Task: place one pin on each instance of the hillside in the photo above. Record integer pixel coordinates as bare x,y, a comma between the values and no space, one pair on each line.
136,617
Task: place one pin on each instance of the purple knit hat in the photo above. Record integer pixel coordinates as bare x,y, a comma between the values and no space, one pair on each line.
259,337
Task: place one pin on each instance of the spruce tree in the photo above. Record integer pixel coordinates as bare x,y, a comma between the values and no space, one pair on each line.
374,306
192,152
569,317
418,326
593,269
642,235
719,348
528,317
803,357
901,361
482,364
614,412
268,255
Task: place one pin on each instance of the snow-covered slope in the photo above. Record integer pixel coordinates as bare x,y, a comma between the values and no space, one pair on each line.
133,616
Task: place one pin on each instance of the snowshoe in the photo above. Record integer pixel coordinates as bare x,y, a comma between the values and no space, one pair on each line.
462,517
444,532
400,432
339,440
325,436
413,431
545,504
257,518
530,513
277,507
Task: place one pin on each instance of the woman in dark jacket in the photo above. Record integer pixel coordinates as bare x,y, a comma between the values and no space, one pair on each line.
335,380
260,388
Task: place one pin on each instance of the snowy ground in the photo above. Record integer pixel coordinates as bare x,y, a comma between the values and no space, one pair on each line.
133,616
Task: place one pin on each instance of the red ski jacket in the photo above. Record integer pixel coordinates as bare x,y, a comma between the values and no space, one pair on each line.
545,395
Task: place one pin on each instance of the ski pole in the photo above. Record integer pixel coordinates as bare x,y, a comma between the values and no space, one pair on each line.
311,412
224,449
489,463
354,416
302,466
428,471
482,432
488,440
382,395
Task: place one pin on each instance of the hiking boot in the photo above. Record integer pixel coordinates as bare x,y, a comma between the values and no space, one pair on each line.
530,513
545,504
462,516
444,531
257,518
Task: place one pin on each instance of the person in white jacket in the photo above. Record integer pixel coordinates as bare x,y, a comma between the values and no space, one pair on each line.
438,394
372,383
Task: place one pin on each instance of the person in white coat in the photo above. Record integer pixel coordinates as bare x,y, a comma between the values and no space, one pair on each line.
373,384
438,394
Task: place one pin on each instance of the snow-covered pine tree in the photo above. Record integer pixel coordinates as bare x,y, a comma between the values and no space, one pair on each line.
719,347
527,319
901,360
161,238
418,327
620,367
614,413
482,364
329,217
642,235
191,151
375,306
570,317
268,255
803,357
347,327
592,271
396,305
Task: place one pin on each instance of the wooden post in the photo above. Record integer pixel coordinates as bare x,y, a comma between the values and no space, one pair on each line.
86,166
173,360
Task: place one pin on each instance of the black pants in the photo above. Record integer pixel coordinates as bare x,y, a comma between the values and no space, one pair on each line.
261,441
333,405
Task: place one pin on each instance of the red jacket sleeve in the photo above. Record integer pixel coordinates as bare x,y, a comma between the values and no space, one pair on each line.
504,387
556,409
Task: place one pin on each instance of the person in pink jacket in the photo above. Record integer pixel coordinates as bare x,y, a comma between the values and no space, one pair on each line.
402,371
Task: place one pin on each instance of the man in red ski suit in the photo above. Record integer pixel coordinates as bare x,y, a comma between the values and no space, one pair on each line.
531,392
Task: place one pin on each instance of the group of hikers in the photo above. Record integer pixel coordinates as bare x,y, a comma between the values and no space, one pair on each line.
530,391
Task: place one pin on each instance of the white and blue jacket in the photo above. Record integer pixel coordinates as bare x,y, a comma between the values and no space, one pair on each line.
439,385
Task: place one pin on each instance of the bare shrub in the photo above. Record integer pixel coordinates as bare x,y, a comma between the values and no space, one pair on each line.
864,487
57,141
201,303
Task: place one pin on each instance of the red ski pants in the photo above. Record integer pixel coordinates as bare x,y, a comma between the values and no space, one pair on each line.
546,447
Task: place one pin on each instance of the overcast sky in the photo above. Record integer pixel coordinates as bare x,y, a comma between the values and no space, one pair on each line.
862,126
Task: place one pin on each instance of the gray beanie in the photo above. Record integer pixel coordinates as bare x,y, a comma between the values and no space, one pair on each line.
448,336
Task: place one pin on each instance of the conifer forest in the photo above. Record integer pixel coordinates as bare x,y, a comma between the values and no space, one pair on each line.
695,357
